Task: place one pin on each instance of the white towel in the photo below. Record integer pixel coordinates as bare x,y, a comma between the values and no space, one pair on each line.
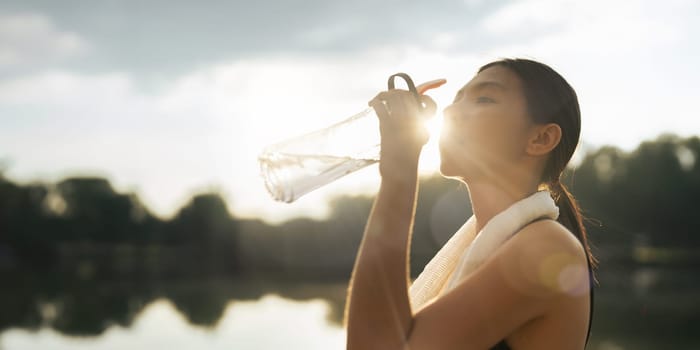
462,253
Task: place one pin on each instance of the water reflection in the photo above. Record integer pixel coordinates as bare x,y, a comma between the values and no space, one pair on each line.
637,307
203,279
271,322
647,307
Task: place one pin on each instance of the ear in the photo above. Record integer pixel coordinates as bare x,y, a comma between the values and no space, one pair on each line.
544,139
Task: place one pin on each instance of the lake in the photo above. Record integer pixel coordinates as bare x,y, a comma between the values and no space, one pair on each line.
636,308
271,322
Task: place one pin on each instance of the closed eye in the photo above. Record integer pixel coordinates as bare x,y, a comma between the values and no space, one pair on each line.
484,99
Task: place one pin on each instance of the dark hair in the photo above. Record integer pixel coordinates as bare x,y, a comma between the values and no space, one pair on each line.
550,99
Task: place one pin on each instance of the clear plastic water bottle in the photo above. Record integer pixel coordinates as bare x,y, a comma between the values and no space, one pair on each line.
304,163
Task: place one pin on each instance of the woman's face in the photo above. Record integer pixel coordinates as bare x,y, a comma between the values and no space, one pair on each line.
485,128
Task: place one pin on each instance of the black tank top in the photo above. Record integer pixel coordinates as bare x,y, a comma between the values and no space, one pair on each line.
502,345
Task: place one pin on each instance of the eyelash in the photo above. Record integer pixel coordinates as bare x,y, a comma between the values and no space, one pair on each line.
480,99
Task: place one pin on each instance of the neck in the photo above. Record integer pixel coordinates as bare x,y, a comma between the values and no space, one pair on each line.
488,200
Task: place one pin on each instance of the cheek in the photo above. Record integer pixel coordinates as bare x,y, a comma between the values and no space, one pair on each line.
494,137
484,133
484,136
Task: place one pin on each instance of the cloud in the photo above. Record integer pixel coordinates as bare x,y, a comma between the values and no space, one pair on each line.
58,123
203,129
252,75
157,39
591,27
526,15
253,103
32,38
628,61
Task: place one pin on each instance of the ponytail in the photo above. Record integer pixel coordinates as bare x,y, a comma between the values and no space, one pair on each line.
570,216
550,99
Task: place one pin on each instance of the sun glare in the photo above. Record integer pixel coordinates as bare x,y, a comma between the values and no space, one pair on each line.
430,158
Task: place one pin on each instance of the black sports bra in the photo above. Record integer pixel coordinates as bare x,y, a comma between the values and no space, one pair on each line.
502,345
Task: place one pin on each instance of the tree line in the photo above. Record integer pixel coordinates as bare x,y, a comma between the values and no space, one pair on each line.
79,256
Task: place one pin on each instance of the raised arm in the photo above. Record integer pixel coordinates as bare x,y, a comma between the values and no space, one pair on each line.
378,309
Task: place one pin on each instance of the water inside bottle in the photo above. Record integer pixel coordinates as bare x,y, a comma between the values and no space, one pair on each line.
289,176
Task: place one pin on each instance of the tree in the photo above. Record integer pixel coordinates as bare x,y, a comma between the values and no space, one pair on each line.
94,212
207,227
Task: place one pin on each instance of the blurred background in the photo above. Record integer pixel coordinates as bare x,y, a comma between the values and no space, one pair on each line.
132,214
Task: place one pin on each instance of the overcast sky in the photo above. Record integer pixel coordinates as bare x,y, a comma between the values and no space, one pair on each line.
170,98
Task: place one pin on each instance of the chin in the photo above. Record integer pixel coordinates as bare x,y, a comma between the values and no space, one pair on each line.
448,171
447,165
451,156
455,166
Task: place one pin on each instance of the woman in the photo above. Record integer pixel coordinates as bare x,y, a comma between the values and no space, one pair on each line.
508,136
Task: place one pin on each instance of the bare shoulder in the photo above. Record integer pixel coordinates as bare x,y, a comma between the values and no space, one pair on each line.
552,233
523,292
547,259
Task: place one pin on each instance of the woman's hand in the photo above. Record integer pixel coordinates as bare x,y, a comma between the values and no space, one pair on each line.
403,130
379,314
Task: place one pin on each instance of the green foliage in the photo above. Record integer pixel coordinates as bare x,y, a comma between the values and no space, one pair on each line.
650,192
96,257
201,221
94,212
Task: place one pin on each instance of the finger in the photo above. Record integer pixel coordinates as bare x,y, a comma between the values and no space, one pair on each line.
380,107
380,96
397,105
392,101
403,107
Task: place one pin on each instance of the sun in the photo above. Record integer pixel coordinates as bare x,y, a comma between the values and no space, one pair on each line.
430,156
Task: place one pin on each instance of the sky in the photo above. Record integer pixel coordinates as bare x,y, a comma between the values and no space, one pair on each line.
171,98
